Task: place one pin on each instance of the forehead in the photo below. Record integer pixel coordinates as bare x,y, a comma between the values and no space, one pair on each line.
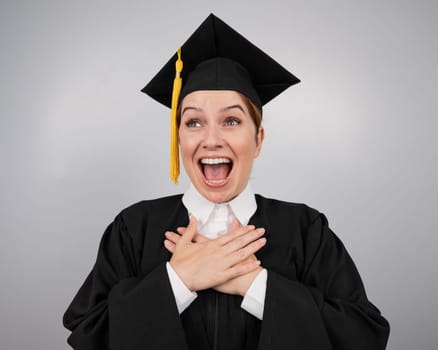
214,99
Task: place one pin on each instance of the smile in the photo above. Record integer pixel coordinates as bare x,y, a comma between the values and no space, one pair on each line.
216,170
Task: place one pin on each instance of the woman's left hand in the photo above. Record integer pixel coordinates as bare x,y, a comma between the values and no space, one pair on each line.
238,285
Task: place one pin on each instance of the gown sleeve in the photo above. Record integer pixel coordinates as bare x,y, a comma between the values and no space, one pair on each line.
117,309
325,307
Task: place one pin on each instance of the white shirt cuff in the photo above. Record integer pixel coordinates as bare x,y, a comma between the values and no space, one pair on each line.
183,296
254,300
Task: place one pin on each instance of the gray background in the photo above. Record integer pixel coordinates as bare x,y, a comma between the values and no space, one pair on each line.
79,141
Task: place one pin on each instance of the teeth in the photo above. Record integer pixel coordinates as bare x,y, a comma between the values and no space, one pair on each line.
215,160
216,182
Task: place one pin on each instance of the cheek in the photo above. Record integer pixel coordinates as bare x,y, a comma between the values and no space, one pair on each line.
187,147
182,141
247,151
185,151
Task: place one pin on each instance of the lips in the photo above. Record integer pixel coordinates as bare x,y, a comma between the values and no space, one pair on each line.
216,170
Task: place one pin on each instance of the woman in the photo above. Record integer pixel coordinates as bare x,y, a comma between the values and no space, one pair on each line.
220,267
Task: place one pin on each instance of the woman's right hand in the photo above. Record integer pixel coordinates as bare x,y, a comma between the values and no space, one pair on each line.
207,263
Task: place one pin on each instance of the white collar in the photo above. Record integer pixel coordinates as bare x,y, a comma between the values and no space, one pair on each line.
243,206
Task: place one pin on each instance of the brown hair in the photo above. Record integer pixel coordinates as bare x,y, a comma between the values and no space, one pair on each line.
254,112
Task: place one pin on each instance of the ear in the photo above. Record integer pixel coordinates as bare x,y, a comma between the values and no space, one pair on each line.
259,140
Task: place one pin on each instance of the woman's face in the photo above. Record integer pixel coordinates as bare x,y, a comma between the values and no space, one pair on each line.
218,142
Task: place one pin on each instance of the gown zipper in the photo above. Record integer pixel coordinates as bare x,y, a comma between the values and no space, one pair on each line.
216,321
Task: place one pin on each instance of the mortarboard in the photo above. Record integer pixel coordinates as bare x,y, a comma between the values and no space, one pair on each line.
216,57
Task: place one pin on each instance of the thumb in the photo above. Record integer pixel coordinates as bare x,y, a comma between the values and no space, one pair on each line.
201,238
190,231
235,224
198,237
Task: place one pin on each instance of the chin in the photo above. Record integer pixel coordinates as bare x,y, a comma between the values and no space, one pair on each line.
218,195
218,198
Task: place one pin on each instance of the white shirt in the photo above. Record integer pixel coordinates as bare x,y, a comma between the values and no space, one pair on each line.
213,221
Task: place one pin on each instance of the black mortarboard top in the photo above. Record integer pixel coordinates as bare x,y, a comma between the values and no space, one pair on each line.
207,66
216,57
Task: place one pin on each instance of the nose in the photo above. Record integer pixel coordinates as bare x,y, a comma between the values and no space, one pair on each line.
212,138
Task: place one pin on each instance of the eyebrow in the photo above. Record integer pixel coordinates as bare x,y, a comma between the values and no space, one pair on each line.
197,109
190,108
232,107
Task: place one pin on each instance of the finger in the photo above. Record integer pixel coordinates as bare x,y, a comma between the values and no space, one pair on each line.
243,240
198,237
170,246
172,236
190,232
252,257
201,238
242,269
233,234
244,253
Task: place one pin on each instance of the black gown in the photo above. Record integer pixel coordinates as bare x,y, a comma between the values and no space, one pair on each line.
315,298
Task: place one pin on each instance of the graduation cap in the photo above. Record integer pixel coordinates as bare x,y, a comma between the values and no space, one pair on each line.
216,57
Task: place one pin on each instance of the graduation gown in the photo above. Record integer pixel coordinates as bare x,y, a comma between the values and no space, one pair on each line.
315,299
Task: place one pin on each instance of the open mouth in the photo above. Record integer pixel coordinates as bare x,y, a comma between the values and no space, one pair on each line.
216,170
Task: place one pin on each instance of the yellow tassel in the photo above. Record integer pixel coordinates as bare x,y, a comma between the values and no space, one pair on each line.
174,151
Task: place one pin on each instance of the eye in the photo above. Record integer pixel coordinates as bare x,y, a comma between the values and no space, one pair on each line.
193,123
232,121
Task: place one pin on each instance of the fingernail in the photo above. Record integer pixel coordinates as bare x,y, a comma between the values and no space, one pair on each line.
260,230
262,240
